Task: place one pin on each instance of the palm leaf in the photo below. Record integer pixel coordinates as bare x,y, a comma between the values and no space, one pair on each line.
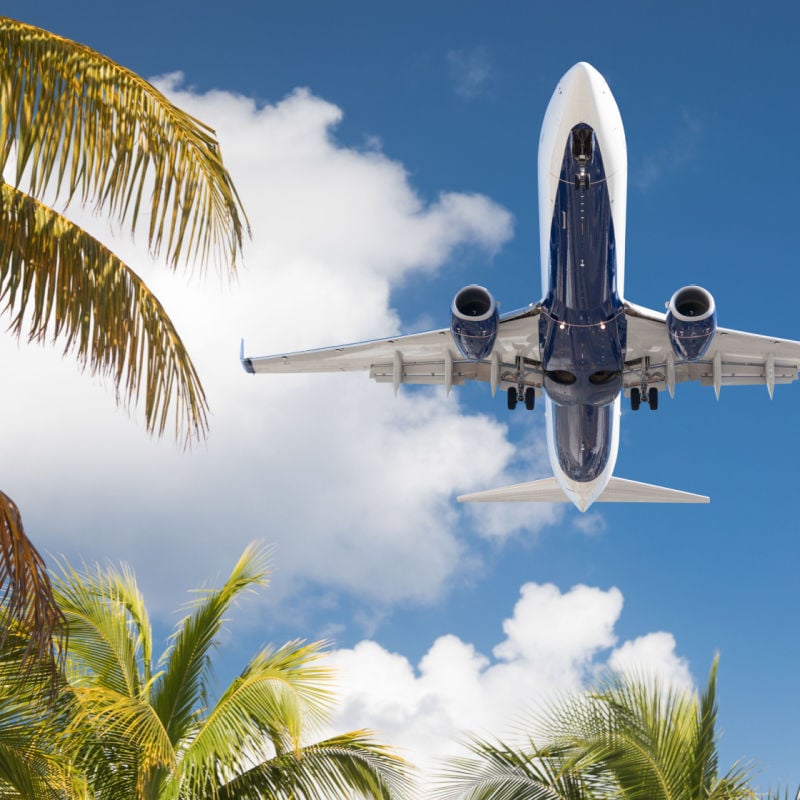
99,714
498,771
182,687
29,609
632,738
344,766
96,130
56,279
280,694
110,642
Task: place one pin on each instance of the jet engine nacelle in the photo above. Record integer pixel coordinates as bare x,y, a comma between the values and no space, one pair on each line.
691,322
473,322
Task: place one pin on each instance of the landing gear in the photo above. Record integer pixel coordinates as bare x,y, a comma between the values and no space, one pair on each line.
651,400
530,398
526,394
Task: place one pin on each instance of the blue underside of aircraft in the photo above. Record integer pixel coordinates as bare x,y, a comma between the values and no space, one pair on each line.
582,327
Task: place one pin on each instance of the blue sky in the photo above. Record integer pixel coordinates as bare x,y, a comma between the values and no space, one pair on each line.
447,97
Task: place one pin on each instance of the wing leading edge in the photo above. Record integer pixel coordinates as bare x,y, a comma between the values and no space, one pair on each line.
424,358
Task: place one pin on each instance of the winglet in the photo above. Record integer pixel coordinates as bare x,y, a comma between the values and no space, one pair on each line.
247,364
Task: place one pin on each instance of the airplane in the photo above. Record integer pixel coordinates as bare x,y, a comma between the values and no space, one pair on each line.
582,346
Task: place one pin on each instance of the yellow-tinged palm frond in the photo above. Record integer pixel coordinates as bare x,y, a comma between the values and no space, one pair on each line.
90,127
166,743
345,766
182,687
30,615
499,771
110,641
98,714
281,694
57,280
632,739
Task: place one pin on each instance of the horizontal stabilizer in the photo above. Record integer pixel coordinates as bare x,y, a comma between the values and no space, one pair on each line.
620,490
548,490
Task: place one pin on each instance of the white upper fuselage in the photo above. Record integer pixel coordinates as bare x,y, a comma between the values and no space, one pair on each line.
582,97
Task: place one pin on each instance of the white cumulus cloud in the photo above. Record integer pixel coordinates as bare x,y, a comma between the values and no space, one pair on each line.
553,644
355,488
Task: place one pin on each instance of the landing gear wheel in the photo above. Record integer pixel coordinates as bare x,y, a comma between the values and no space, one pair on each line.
636,398
652,398
512,398
530,398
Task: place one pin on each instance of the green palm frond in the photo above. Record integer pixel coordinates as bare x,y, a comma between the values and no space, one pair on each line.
632,739
156,739
110,641
94,129
281,694
27,774
498,771
345,766
182,686
99,714
57,280
27,606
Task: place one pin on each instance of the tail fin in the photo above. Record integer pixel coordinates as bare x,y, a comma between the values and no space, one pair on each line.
619,490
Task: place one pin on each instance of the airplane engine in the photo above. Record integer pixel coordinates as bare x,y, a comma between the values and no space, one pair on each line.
473,322
691,322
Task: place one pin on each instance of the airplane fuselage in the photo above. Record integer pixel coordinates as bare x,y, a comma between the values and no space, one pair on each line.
582,330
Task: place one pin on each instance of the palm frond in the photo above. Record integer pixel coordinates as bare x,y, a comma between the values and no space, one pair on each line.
56,280
99,131
345,766
498,771
28,606
279,695
99,714
110,637
182,687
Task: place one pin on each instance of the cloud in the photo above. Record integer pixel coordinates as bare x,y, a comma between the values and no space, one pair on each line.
554,643
470,71
355,488
671,156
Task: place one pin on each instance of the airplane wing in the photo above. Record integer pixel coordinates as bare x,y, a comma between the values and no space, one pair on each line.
734,358
426,358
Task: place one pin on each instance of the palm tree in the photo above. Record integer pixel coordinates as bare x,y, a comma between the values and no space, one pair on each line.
139,729
633,739
74,122
30,765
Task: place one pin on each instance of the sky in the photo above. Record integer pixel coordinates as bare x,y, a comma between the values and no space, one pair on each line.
386,157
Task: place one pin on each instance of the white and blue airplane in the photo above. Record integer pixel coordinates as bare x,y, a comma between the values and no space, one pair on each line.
582,346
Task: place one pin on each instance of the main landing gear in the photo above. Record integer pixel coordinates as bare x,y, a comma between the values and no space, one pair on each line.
515,395
651,399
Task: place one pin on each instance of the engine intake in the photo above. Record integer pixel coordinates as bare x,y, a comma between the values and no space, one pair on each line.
691,322
473,322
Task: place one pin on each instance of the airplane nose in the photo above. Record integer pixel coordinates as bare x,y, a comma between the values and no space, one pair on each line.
582,83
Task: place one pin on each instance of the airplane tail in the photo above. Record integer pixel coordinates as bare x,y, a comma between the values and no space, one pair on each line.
618,490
